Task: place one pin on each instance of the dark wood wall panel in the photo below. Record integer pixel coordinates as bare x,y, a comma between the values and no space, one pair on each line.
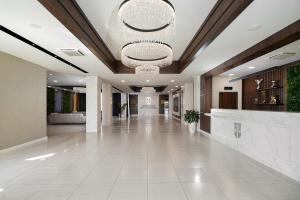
205,102
250,92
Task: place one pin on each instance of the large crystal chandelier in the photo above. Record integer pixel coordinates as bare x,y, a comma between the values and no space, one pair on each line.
147,26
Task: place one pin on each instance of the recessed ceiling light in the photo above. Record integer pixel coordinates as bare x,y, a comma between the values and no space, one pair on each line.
171,89
80,81
172,81
36,26
255,27
176,86
147,81
230,74
123,81
251,67
50,74
55,81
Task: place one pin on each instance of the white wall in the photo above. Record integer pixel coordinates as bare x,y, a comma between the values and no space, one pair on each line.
22,102
218,84
93,103
188,98
145,110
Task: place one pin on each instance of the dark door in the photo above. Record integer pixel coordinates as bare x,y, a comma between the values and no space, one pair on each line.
133,104
228,100
163,98
116,104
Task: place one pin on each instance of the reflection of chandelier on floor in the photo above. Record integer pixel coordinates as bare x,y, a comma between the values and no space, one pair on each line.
147,25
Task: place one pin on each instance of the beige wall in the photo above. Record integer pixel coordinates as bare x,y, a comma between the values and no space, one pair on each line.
218,84
22,101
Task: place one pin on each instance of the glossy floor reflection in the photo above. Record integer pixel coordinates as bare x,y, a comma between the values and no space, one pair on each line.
154,158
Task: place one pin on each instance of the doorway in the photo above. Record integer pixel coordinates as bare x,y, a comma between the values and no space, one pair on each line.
133,104
163,104
228,100
116,107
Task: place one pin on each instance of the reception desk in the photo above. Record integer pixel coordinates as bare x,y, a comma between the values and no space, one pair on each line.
272,138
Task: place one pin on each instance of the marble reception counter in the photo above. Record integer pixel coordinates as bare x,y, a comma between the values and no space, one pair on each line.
272,138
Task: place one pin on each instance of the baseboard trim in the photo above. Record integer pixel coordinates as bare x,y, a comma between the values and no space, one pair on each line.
19,146
204,133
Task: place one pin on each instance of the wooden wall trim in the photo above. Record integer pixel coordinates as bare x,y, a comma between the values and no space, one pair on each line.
283,37
223,13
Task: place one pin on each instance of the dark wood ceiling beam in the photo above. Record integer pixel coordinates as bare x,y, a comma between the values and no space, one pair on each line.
223,13
72,17
283,37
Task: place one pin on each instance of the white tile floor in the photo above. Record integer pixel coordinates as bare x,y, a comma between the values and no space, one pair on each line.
155,159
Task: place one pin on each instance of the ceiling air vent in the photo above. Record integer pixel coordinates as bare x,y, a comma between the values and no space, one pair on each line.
72,52
282,56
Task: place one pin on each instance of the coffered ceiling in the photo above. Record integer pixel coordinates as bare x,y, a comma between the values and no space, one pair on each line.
103,15
201,42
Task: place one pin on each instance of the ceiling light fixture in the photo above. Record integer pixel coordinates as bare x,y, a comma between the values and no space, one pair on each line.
1,190
255,27
147,15
50,74
147,81
172,81
136,54
230,74
36,26
123,81
80,81
146,27
176,86
55,81
251,67
147,69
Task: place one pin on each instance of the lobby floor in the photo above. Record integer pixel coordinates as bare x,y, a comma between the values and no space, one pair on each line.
150,158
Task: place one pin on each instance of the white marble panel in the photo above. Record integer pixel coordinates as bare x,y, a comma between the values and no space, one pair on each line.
272,138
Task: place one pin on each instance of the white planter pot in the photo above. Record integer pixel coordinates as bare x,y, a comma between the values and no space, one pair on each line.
193,127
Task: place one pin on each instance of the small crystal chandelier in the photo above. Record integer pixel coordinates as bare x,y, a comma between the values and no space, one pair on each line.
147,25
147,69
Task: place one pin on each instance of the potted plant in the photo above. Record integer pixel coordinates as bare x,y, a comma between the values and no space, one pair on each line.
192,117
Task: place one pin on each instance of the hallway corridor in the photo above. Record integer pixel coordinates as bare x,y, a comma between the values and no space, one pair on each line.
150,158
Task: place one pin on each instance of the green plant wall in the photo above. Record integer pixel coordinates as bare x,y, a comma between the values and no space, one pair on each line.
67,108
50,100
293,91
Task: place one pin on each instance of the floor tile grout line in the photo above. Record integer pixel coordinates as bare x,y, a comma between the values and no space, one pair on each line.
122,165
173,164
77,187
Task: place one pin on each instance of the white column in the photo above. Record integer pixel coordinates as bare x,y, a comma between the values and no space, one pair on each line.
197,96
93,103
170,103
106,104
188,97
